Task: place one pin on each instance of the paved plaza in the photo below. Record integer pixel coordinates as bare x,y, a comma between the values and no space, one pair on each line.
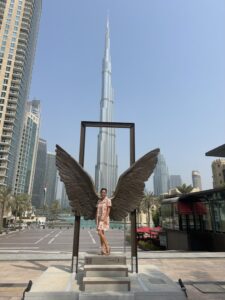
27,254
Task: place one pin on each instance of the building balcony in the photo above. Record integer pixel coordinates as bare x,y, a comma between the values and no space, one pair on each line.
5,142
22,45
13,93
20,51
12,107
16,82
10,114
6,134
25,29
19,62
17,68
3,174
8,128
9,120
4,158
12,100
14,87
3,166
17,75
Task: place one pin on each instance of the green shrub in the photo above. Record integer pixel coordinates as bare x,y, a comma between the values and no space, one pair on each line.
147,246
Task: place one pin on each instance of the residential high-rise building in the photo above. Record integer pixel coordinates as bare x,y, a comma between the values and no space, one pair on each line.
175,181
161,177
28,149
196,180
218,170
19,23
38,193
106,167
50,178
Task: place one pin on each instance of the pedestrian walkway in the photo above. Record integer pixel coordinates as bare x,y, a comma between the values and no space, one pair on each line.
202,273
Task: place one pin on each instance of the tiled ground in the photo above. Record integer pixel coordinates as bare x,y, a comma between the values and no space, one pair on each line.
191,271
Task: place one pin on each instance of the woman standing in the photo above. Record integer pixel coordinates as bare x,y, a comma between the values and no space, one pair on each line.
102,220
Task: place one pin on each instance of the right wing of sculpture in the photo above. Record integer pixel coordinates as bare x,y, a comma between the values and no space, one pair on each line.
130,187
79,185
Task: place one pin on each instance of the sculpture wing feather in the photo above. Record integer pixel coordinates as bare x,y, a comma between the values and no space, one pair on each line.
79,185
130,187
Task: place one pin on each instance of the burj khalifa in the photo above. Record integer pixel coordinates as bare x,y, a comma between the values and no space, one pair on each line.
106,167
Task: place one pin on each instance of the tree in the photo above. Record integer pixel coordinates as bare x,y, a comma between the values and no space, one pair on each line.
21,204
185,189
55,208
6,200
147,203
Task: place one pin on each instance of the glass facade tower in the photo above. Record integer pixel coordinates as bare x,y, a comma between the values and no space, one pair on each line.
18,35
161,177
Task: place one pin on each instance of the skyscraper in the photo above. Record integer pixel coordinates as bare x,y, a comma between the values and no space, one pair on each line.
196,180
218,170
28,149
38,193
64,198
50,179
175,181
106,167
161,177
19,23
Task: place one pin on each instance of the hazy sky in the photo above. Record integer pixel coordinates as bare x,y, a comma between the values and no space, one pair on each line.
168,64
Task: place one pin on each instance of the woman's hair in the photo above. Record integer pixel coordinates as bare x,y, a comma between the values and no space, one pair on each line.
103,189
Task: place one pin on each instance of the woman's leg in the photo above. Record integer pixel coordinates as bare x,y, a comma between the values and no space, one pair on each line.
104,241
101,241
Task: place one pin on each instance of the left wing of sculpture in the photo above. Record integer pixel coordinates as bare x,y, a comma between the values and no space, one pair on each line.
79,185
130,187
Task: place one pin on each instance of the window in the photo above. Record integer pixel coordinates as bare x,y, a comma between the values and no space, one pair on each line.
3,49
5,81
3,43
9,62
4,88
10,56
12,45
4,37
8,69
6,75
3,94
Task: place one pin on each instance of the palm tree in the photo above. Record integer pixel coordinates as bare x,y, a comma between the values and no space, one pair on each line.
22,203
6,200
147,203
55,208
185,189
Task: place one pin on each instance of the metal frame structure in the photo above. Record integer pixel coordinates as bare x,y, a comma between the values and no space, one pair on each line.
131,126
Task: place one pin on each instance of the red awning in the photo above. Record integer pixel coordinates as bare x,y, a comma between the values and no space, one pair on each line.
143,229
184,208
200,208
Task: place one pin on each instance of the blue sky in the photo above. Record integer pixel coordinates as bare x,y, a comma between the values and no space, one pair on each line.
168,64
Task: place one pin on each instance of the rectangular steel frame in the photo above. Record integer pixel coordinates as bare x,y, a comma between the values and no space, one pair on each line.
131,126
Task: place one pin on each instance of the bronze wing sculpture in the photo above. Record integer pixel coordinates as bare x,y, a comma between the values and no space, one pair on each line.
81,192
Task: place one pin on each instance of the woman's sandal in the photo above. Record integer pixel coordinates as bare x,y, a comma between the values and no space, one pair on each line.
108,251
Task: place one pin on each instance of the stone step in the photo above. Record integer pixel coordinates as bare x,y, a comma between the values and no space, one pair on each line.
112,259
103,284
52,296
55,280
105,271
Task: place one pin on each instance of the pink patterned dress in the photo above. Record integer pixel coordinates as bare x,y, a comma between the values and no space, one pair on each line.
102,206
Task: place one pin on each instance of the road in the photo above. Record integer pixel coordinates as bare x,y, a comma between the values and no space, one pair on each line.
56,240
